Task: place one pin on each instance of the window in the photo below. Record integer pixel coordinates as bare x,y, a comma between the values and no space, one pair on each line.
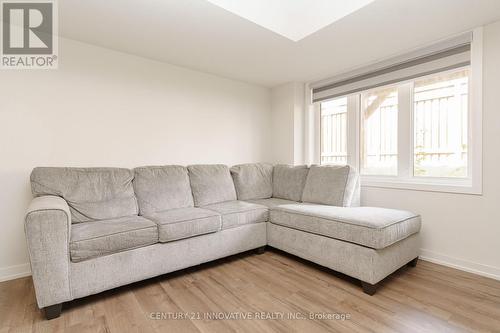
334,131
441,125
429,115
379,132
412,121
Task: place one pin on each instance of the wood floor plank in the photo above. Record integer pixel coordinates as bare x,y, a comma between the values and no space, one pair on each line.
154,301
428,321
335,299
427,298
193,304
11,293
124,314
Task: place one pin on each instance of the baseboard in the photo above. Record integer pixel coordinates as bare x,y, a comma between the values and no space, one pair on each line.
18,271
463,265
14,272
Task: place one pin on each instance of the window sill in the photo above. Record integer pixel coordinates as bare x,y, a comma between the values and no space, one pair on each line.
428,185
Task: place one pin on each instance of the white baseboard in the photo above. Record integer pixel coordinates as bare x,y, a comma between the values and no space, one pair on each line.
14,272
17,271
463,265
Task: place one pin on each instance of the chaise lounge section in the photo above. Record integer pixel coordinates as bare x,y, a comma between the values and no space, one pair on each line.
93,229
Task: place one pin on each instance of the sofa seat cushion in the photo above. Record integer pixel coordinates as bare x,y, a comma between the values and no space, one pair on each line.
99,238
236,213
187,222
368,226
272,202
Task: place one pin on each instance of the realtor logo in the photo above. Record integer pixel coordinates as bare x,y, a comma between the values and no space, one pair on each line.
28,35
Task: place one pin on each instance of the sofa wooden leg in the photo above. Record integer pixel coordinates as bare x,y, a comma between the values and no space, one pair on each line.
261,249
369,288
53,311
413,263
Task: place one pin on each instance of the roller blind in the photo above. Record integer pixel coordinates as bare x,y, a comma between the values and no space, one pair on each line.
445,55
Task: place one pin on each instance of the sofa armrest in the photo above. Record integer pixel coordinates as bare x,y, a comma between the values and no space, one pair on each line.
48,231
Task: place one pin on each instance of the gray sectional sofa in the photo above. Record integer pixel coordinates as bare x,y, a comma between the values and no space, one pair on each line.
93,229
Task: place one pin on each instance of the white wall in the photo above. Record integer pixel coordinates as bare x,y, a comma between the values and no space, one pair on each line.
282,131
287,105
299,123
104,108
460,230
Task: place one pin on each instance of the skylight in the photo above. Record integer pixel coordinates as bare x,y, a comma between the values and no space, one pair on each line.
293,19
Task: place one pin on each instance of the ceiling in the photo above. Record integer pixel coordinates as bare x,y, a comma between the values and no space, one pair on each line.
200,35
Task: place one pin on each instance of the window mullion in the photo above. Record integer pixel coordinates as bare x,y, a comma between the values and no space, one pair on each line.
353,130
405,130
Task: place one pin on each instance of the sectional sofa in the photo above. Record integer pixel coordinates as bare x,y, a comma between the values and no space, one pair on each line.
93,229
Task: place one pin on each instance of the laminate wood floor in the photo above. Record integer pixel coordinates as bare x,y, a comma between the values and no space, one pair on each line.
279,291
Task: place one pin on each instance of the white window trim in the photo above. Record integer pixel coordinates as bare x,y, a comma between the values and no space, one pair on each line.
405,180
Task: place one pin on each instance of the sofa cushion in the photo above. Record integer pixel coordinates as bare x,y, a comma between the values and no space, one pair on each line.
253,181
211,184
99,238
159,188
288,181
91,193
187,222
272,202
368,226
236,213
331,185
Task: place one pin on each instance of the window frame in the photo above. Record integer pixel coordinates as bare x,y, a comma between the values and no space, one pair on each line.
405,178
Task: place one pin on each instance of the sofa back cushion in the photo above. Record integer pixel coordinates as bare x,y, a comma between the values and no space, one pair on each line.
91,193
332,185
211,184
159,188
288,181
253,181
